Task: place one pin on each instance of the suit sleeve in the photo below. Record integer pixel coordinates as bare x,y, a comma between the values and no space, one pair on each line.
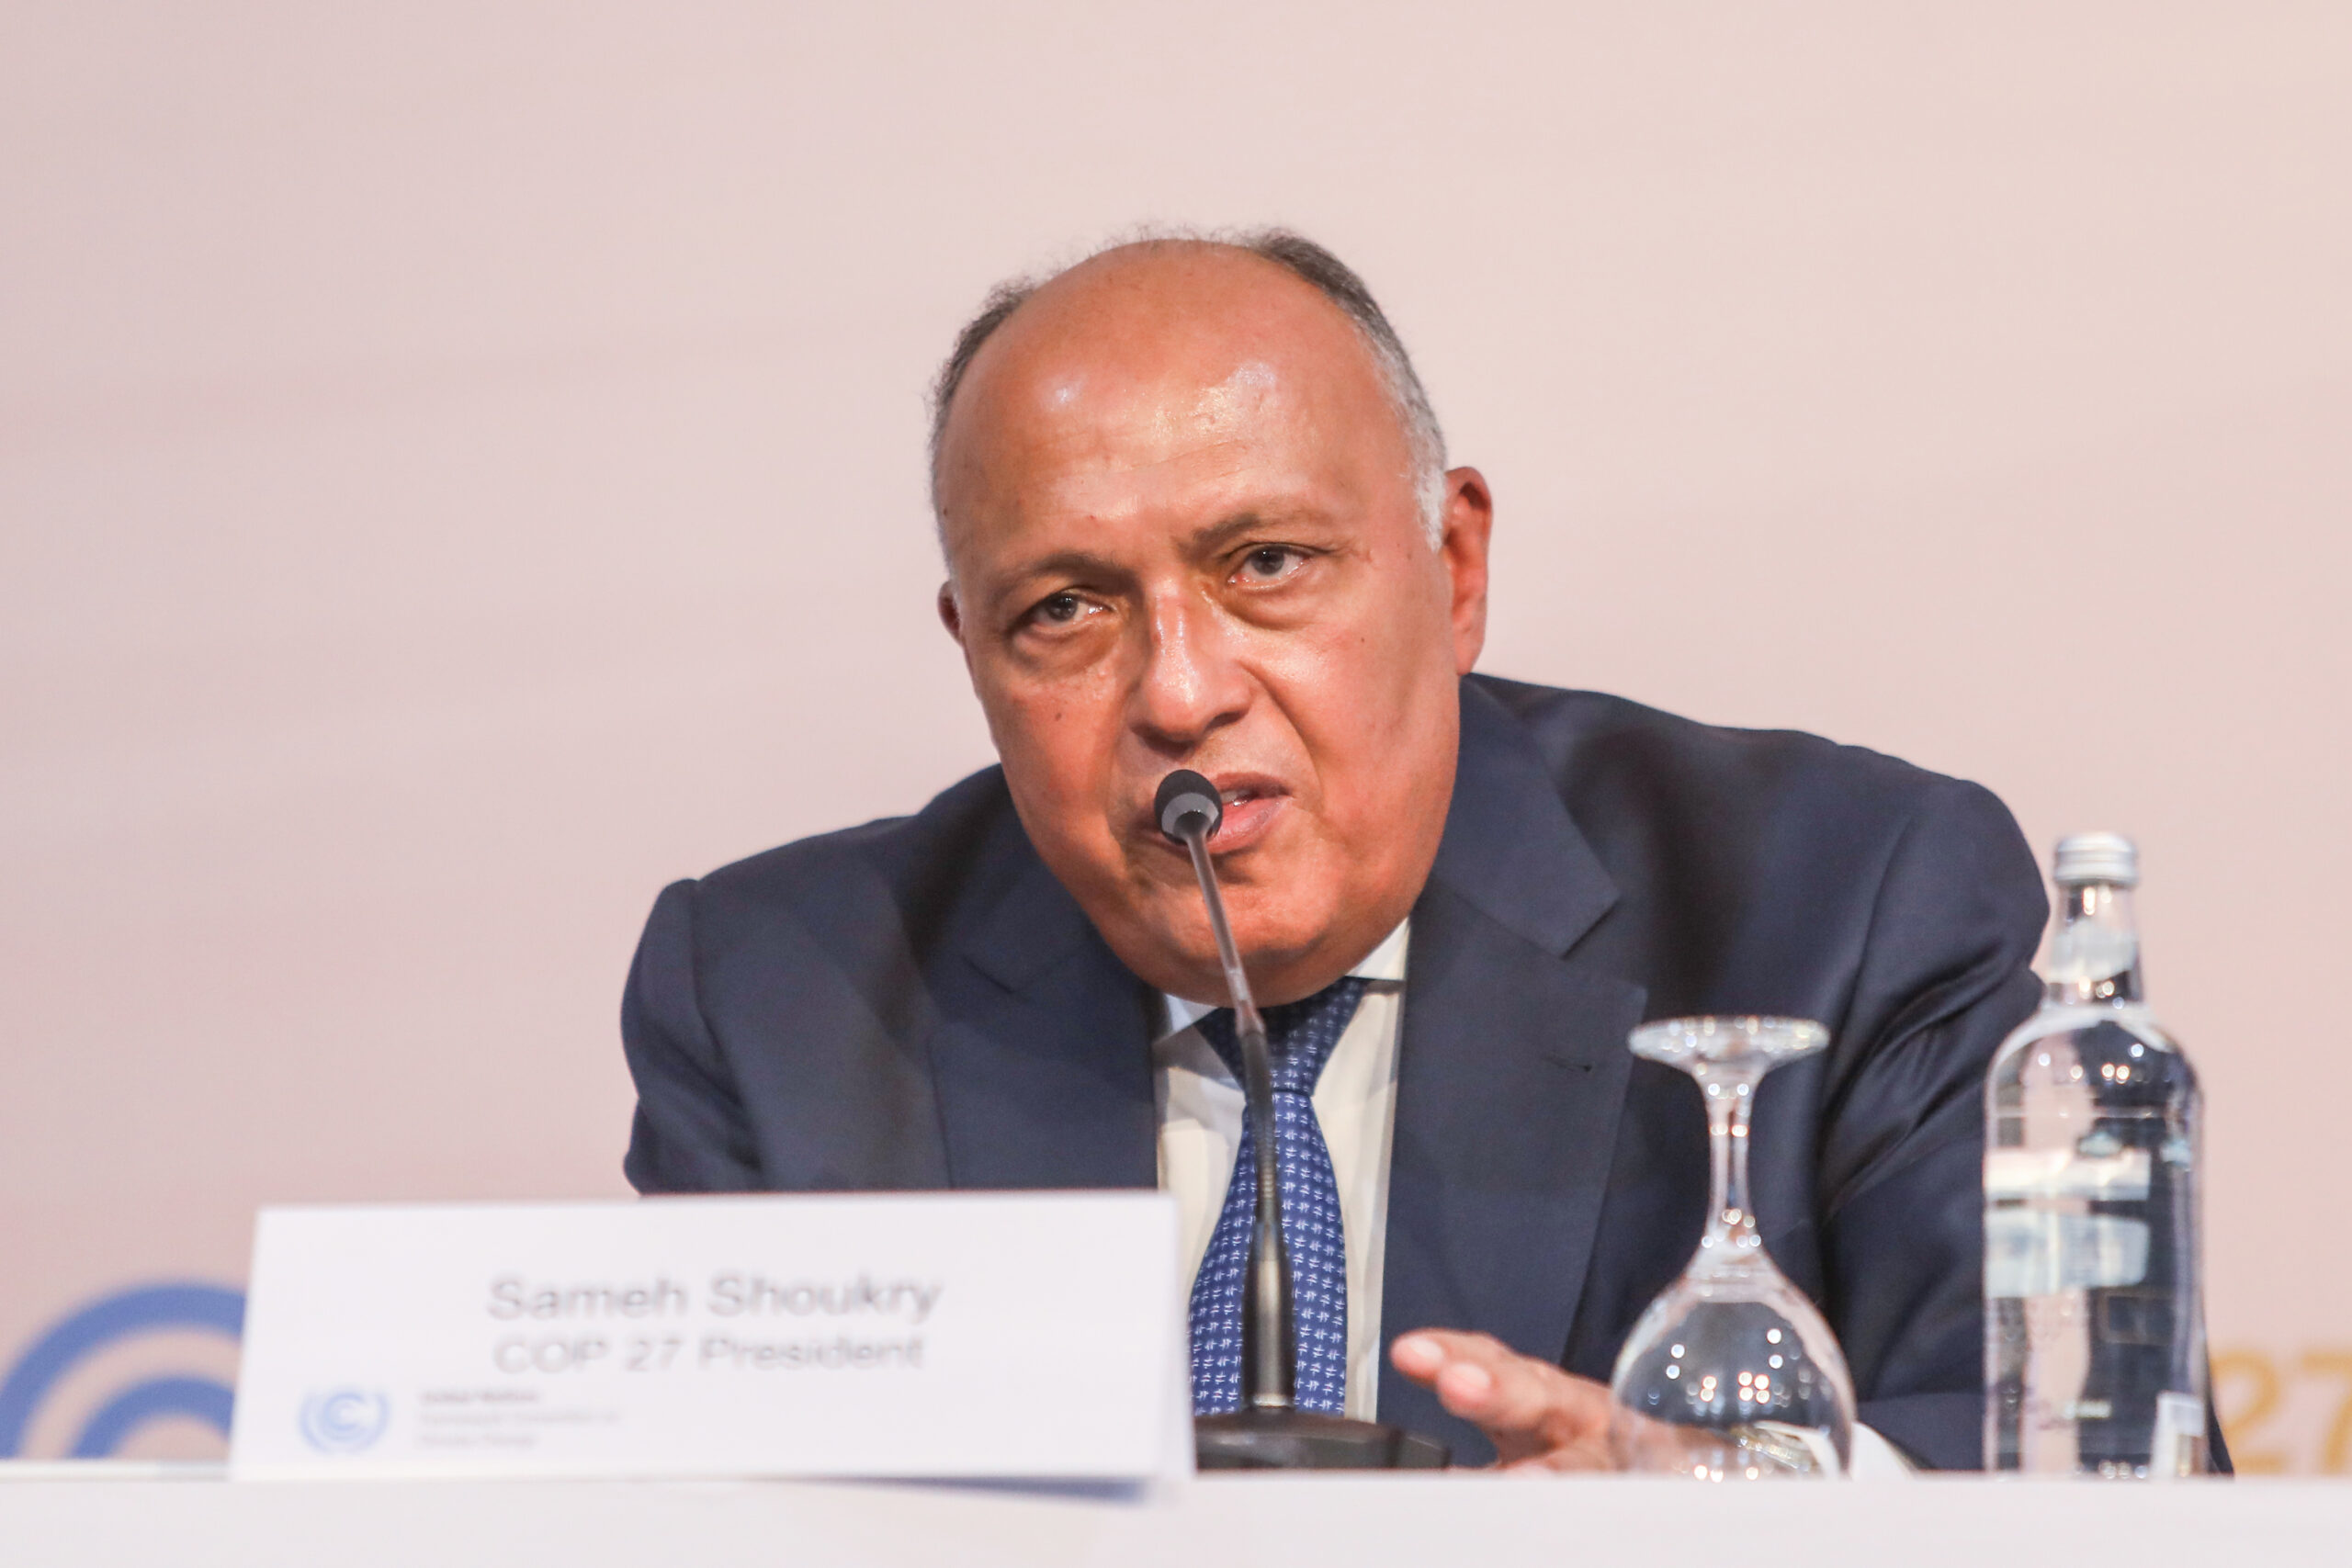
1945,975
690,1133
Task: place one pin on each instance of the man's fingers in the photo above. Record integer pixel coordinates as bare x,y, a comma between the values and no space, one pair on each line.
1529,1409
1466,1388
1418,1355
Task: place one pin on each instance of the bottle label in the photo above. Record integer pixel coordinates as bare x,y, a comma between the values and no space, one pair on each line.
2083,953
2179,1447
2038,1252
2119,1177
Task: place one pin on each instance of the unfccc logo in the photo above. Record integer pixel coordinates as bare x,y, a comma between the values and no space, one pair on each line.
344,1420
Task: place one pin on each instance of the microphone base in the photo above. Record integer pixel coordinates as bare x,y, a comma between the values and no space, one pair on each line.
1301,1439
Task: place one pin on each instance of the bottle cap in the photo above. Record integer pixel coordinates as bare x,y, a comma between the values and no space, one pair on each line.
2109,858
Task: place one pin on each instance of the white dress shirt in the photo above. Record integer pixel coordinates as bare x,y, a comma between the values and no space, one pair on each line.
1355,1100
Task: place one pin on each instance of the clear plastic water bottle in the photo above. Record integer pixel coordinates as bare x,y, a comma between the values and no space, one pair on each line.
2094,1320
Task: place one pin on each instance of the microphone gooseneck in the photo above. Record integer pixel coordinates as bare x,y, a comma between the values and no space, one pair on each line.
1189,808
1269,1432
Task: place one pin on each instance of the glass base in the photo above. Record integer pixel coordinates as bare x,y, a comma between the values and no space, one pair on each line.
1725,1390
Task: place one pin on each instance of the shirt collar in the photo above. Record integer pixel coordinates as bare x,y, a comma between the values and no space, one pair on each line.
1386,961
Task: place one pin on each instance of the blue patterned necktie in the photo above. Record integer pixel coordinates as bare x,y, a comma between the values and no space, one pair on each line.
1299,1039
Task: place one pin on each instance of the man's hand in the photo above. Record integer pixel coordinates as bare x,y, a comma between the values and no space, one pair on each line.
1537,1417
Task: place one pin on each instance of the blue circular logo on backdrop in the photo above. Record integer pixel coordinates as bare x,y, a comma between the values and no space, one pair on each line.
344,1420
109,1320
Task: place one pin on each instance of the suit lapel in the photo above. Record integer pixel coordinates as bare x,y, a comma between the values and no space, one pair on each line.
1512,1063
1512,1070
1042,1053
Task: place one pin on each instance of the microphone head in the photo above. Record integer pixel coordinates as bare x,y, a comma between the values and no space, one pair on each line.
1184,793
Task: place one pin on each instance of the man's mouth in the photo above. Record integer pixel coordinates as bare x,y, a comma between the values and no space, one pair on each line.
1252,801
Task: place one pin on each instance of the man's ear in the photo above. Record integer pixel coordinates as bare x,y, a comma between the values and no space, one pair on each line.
950,616
1469,520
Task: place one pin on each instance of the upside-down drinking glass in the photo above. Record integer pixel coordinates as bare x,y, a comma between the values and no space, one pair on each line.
1731,1374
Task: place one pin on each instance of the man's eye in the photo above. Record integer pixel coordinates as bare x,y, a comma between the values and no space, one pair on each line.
1268,563
1059,610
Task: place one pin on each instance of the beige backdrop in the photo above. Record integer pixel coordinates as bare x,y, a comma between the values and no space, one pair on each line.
459,469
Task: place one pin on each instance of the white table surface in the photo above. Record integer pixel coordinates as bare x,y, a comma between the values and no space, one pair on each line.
1228,1522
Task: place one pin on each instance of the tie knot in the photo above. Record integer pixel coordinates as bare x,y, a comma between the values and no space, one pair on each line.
1300,1035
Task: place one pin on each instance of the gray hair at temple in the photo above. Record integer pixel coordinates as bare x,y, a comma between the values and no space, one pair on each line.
1296,254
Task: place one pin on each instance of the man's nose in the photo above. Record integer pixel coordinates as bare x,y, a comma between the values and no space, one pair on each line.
1192,683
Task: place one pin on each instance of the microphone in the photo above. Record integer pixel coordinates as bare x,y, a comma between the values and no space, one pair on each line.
1269,1432
1190,809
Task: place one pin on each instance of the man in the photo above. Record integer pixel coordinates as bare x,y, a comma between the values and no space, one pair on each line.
1196,514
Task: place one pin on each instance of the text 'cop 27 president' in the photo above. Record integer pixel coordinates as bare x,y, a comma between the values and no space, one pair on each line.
1196,512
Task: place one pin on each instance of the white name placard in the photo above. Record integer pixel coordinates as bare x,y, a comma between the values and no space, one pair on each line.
1033,1335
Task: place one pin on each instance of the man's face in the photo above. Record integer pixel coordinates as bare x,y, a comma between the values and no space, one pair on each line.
1182,532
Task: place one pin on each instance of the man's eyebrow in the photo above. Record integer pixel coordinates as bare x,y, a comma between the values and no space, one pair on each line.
1081,564
1220,533
1086,566
1216,535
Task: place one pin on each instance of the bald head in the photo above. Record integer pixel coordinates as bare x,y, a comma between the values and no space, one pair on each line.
1300,258
1183,506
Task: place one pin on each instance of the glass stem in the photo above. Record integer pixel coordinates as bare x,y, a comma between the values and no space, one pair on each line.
1731,1237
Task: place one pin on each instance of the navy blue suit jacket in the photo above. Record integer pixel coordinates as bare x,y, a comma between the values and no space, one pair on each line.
918,1003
